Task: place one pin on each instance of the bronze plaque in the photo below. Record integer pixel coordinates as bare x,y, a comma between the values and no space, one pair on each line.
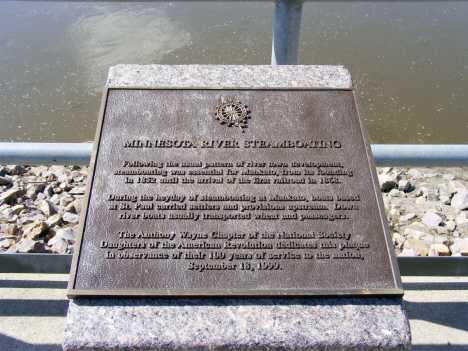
240,192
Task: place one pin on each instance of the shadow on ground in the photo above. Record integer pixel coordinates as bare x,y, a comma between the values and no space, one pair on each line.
11,344
447,347
450,314
33,308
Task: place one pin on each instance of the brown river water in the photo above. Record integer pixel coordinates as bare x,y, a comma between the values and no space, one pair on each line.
409,60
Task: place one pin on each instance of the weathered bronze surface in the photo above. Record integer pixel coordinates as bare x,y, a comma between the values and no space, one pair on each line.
179,204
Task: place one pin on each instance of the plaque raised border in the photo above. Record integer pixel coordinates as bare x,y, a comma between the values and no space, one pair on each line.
396,288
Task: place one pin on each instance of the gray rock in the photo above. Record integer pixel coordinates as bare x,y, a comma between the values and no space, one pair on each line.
416,193
5,244
79,179
48,191
48,208
461,220
394,193
10,215
445,199
386,170
36,188
31,195
28,246
450,225
432,197
397,174
68,235
16,170
54,220
455,186
440,214
65,186
424,190
441,249
5,181
55,199
432,253
71,218
415,174
431,219
407,217
406,203
404,185
449,176
30,219
60,246
464,249
50,176
17,209
11,229
60,209
443,190
77,191
28,203
37,171
4,236
35,230
455,247
64,178
386,182
419,226
442,231
431,175
418,247
70,208
12,194
40,197
398,238
421,201
429,240
414,234
408,253
78,204
65,200
460,200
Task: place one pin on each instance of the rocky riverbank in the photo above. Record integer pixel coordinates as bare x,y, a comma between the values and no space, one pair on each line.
40,208
426,207
426,210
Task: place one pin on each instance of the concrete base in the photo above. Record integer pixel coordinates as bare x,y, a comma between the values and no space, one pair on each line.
237,324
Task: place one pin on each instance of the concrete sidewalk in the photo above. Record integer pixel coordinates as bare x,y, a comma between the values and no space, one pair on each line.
33,309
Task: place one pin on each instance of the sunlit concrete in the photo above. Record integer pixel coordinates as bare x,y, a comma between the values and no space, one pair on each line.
33,309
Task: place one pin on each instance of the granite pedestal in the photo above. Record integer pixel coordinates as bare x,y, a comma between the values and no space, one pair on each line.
367,323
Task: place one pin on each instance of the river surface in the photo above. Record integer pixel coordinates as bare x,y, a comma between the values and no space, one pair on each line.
409,61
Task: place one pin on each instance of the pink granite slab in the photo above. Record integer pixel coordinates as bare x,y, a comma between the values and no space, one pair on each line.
237,324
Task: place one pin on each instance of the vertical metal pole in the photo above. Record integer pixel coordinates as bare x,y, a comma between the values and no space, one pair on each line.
286,29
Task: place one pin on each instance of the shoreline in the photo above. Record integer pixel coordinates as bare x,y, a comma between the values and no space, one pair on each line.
426,209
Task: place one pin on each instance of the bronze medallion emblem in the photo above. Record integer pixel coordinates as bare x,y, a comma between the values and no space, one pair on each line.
232,113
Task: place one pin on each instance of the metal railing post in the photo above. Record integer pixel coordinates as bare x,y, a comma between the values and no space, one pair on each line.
286,30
